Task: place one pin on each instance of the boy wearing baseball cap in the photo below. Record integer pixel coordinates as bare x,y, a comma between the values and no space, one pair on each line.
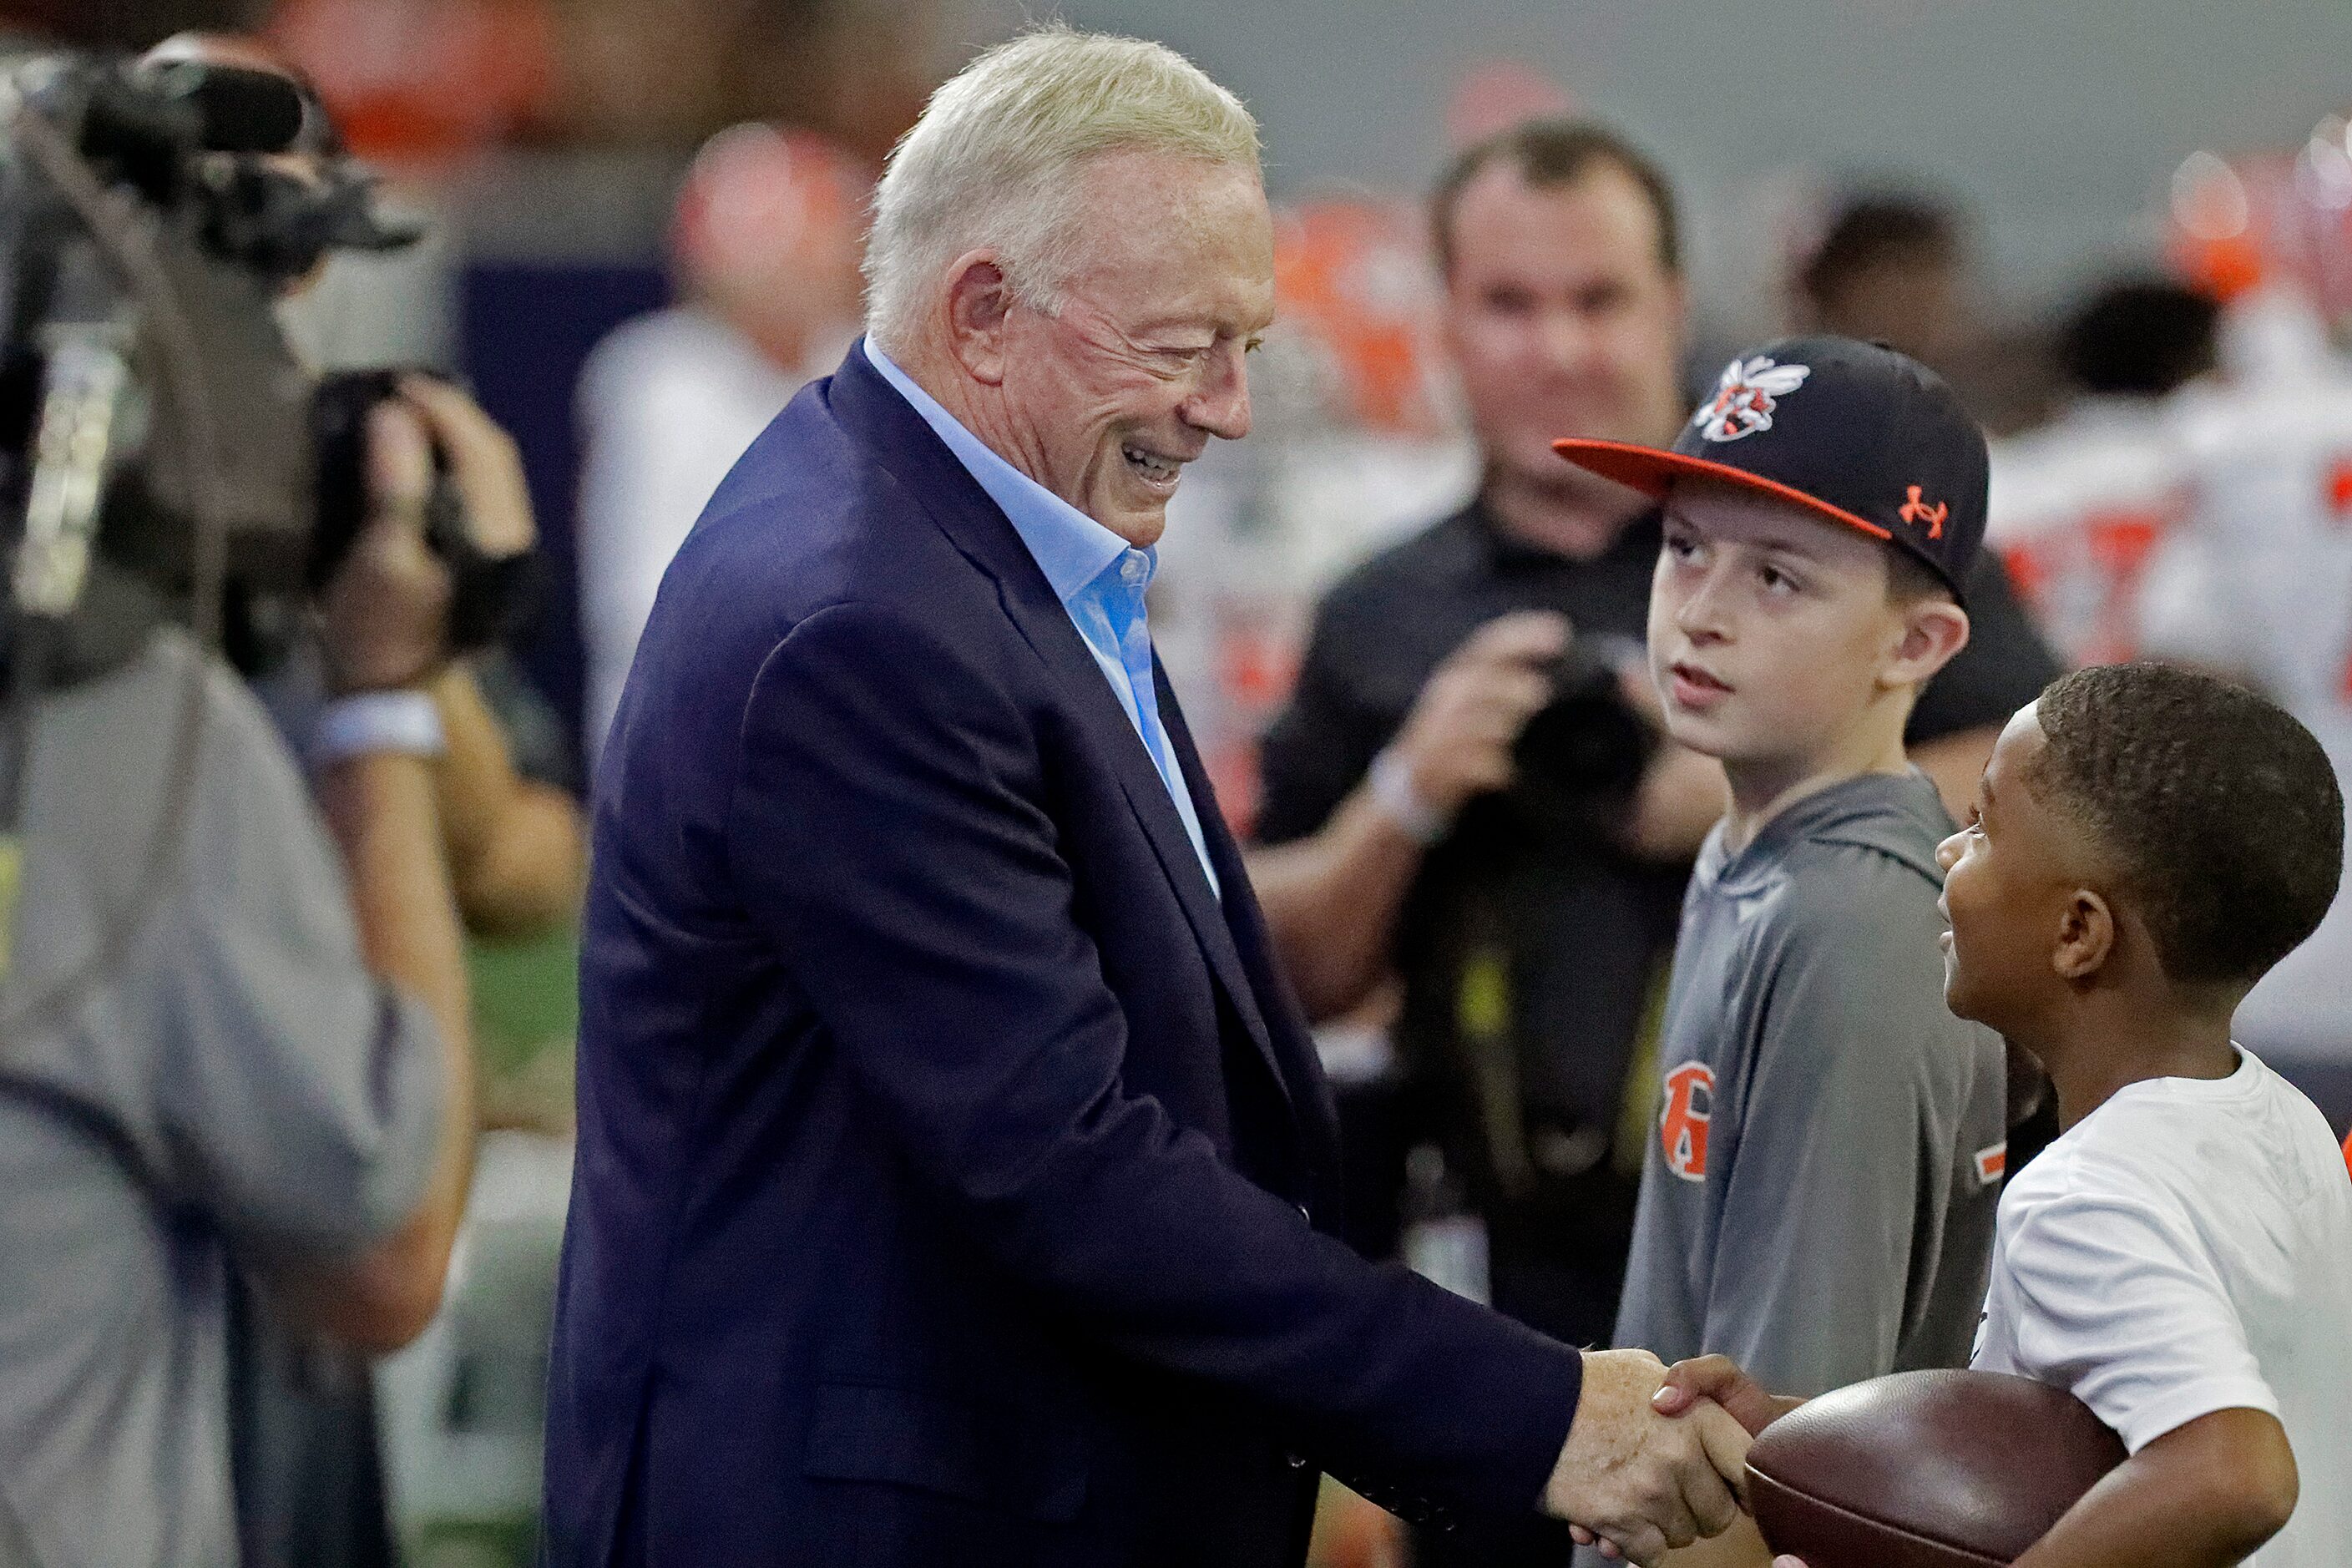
1818,1200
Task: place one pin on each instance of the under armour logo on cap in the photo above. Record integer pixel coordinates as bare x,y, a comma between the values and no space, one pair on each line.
1915,511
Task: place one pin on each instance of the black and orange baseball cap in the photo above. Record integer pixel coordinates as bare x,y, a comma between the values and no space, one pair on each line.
1850,431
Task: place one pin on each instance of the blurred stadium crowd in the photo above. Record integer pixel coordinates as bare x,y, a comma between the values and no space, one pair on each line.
2172,476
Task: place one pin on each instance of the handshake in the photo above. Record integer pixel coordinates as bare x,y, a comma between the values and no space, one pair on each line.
1654,1458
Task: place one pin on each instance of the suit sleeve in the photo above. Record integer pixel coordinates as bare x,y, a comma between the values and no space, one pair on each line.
885,830
1842,1161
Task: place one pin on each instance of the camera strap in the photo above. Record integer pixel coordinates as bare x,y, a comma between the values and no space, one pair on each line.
96,1124
84,383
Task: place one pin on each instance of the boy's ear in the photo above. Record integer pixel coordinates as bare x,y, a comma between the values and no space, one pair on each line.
2087,935
1934,632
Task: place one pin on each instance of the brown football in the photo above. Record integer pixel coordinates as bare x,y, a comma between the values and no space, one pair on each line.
1926,1469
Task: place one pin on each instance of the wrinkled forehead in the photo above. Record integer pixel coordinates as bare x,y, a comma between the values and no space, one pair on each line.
1159,227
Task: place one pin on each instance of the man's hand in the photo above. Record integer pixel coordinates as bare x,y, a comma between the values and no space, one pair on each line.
1457,740
1634,1479
1717,1378
384,615
483,462
1331,899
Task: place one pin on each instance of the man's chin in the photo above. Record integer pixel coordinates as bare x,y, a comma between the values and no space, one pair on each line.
1140,523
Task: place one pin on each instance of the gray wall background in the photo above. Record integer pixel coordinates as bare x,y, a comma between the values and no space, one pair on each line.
2060,122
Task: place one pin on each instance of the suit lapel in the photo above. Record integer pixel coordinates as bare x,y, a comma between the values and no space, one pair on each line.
911,452
1279,1018
1042,620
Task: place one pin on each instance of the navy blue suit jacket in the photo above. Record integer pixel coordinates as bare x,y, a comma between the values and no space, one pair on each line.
955,1171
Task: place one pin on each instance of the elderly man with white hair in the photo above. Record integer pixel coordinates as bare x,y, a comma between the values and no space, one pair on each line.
956,1179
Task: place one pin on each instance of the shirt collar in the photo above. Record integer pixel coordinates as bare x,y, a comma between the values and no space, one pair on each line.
1072,549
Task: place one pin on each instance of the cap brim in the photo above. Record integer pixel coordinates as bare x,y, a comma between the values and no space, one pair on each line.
1651,469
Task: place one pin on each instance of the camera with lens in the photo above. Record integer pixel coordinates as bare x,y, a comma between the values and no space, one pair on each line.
1577,762
160,442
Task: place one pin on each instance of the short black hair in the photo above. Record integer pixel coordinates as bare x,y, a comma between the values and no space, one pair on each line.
2140,337
2222,813
1549,153
1870,229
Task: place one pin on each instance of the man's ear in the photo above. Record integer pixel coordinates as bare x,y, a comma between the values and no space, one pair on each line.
978,302
2085,937
1934,632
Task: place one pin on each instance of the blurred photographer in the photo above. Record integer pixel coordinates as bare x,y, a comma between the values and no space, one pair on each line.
1467,792
307,1436
514,840
275,1074
235,1051
306,1432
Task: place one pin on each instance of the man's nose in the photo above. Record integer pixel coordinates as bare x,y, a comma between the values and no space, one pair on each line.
1948,853
1566,337
1221,404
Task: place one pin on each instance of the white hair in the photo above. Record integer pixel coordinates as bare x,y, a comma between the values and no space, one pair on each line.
992,162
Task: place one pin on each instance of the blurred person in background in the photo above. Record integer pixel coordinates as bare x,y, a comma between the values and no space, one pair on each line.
1897,265
2254,580
304,1422
1891,268
2078,505
765,249
513,836
275,1080
1405,829
310,1488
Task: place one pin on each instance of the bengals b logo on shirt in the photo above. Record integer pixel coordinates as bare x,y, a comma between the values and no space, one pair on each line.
1682,1125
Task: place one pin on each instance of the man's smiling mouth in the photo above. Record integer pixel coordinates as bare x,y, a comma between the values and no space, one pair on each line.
1154,468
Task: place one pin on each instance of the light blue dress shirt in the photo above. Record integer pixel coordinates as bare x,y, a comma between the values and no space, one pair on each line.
1097,576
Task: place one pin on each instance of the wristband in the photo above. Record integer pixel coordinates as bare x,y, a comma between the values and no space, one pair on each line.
373,722
1392,786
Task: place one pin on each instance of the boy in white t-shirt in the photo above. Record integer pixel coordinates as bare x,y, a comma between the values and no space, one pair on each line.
2146,843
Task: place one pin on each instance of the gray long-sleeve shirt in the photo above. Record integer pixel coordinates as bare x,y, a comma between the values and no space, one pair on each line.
1819,1196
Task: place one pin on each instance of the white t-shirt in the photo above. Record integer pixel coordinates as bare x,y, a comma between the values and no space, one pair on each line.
2185,1248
